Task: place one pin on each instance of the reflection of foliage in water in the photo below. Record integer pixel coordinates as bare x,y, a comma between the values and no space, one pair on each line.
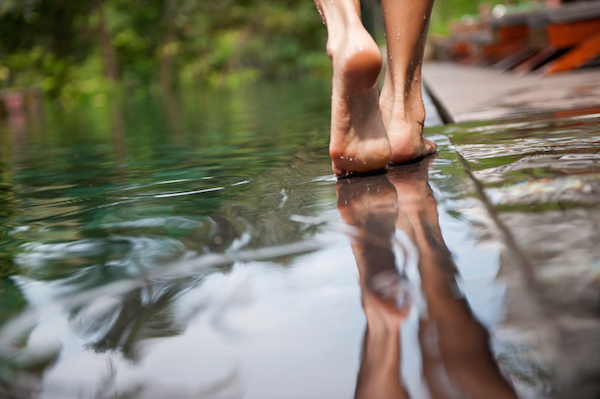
11,300
99,211
142,313
101,201
85,207
8,203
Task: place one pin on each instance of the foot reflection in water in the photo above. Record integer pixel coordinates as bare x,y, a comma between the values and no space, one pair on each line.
455,356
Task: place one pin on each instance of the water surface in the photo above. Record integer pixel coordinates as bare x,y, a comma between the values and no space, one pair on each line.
197,245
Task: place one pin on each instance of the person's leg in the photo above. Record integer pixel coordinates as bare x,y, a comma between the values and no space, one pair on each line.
457,360
401,102
369,206
358,139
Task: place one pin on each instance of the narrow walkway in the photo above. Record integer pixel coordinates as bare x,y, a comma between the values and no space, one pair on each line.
470,94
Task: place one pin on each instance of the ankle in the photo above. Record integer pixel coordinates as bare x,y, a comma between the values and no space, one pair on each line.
417,111
403,104
338,30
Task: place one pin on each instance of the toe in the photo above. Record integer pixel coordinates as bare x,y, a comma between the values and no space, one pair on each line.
430,147
337,170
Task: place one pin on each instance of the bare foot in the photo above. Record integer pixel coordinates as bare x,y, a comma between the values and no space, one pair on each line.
404,115
369,204
358,139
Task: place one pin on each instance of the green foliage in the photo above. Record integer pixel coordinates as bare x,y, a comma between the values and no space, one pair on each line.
55,44
446,11
41,42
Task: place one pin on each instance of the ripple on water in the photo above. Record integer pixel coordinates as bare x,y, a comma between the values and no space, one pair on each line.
477,152
573,163
165,274
547,163
181,187
584,190
121,257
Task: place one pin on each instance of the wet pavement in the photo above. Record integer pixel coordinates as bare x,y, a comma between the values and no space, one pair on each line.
474,94
538,182
209,252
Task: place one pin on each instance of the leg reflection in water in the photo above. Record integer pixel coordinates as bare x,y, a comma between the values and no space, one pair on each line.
456,359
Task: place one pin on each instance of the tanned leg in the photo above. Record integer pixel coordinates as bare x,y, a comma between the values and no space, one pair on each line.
369,206
358,140
406,23
457,361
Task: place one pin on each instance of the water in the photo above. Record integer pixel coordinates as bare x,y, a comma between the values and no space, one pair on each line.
199,246
538,182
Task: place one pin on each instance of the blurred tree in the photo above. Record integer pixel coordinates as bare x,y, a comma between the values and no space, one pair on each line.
42,38
217,41
446,11
106,44
55,43
73,47
52,24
